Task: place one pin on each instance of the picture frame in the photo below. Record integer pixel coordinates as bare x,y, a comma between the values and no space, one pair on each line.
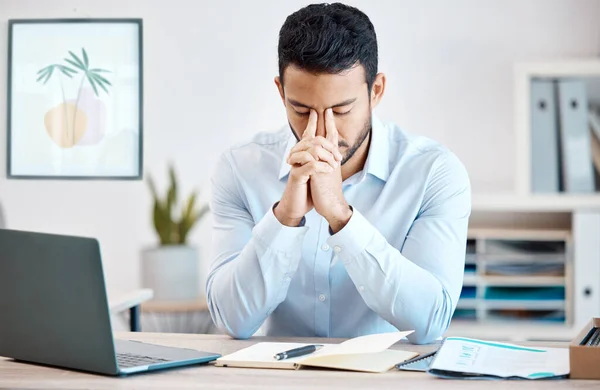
75,99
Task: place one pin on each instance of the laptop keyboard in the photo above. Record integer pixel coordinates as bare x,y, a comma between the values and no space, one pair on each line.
131,360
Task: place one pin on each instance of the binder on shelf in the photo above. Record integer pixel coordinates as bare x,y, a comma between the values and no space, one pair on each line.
545,164
576,151
594,118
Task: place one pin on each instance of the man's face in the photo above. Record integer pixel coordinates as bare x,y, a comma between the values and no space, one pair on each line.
346,94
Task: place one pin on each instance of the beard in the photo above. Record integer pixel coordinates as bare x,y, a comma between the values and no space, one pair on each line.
364,134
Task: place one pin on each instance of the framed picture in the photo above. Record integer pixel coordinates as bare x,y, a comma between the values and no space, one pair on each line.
74,105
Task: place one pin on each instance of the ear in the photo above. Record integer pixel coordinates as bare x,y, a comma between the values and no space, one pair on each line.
378,89
279,85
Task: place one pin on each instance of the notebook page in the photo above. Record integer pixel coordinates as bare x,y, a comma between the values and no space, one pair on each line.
264,353
365,344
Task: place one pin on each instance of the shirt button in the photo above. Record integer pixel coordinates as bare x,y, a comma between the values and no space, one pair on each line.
325,247
287,279
337,249
321,297
361,288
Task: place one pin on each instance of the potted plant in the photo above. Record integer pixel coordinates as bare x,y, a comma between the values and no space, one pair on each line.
171,267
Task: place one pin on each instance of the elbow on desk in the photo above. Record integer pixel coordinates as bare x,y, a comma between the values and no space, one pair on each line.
236,331
431,330
238,334
421,338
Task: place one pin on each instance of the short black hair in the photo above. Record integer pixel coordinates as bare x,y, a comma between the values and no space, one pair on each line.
328,38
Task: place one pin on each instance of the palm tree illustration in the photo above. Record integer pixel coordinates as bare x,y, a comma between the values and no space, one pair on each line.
47,72
92,75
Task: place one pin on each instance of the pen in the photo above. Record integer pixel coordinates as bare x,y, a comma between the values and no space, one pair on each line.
300,351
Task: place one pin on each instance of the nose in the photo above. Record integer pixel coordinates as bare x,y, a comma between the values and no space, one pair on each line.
321,125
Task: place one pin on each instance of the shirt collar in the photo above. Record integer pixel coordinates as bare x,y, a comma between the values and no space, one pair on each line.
377,163
284,168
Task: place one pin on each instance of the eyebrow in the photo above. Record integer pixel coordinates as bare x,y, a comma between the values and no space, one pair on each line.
341,104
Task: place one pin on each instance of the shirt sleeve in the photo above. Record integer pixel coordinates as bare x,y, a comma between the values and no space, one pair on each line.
415,287
251,265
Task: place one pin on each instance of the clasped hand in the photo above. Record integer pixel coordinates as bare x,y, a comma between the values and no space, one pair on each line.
315,178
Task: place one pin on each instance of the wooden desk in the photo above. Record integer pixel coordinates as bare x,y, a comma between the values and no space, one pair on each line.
24,376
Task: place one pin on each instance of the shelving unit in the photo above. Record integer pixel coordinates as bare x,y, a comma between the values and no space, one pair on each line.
515,277
500,303
524,216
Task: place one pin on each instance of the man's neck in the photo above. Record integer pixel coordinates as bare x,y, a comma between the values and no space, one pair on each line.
357,161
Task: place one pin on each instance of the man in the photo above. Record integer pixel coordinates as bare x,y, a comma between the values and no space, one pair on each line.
338,225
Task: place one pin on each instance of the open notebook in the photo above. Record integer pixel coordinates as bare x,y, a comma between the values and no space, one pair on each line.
368,353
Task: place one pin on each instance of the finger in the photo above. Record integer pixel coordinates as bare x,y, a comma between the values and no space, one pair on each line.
308,144
319,153
327,145
302,173
314,167
311,127
303,145
301,158
330,128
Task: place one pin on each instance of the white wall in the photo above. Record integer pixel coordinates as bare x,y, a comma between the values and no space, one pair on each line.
209,68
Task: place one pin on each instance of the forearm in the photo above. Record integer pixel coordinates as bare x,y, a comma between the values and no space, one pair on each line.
397,288
243,289
402,293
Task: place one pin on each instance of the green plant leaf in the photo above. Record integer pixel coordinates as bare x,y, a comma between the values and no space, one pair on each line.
162,224
85,58
49,74
75,64
67,69
92,83
98,70
100,83
170,229
44,74
152,187
189,209
101,79
69,75
188,223
44,69
81,64
173,185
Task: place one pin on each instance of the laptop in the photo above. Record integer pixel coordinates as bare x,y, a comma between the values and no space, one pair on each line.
54,310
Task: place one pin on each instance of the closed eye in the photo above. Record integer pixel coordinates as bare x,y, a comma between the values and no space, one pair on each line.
334,113
342,113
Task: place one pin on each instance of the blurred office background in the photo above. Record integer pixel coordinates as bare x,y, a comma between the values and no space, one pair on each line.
458,71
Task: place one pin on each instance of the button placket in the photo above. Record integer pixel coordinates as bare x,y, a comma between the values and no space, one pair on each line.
322,287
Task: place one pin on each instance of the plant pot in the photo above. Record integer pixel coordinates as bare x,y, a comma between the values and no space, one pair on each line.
171,271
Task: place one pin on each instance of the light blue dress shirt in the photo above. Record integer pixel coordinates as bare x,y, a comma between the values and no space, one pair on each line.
397,265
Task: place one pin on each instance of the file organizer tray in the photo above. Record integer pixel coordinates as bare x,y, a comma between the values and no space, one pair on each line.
584,361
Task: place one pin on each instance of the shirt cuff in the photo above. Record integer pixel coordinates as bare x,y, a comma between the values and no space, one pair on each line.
353,238
279,237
